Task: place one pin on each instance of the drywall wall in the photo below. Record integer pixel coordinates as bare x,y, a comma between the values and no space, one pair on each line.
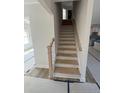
55,9
42,30
96,12
45,16
65,0
82,15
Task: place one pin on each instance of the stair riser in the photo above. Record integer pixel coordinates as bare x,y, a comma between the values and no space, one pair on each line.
67,52
66,30
67,55
62,58
66,38
73,49
66,76
66,33
66,65
67,44
64,43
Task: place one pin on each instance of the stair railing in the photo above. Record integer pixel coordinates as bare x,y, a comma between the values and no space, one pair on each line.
51,57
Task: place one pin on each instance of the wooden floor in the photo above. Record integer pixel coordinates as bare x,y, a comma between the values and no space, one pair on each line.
39,73
44,72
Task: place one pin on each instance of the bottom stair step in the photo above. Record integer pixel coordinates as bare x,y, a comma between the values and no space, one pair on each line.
66,79
65,70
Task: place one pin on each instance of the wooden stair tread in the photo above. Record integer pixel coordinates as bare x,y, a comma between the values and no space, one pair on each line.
62,38
67,43
63,70
67,51
66,33
67,47
66,57
73,62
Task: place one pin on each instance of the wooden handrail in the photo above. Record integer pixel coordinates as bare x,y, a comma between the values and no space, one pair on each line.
50,58
52,42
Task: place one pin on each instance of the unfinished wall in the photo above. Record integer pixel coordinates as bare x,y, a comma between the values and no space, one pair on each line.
42,30
82,15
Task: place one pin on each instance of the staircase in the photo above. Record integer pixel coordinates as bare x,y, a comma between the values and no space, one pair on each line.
66,65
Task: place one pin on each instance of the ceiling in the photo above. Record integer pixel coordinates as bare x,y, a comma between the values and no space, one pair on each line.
65,0
67,5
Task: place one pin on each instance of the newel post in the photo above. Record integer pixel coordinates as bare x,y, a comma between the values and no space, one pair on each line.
50,62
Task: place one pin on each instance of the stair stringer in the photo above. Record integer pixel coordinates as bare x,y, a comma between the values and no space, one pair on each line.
79,54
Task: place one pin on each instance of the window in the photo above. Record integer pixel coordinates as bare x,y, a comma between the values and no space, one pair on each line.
27,35
64,15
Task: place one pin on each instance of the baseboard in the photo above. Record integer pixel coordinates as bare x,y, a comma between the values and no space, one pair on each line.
82,79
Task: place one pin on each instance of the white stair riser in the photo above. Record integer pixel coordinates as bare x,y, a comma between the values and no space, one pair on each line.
73,47
67,52
66,65
66,76
67,42
62,38
66,58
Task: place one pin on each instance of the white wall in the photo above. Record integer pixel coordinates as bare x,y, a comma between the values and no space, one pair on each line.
42,30
96,12
55,9
82,15
65,0
45,23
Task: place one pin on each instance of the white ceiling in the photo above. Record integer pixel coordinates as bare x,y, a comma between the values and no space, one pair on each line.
65,0
67,5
